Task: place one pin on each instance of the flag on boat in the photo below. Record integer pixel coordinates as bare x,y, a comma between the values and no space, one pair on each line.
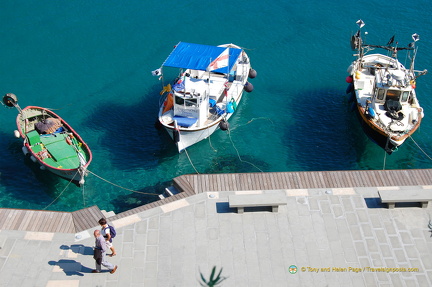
166,88
220,62
157,72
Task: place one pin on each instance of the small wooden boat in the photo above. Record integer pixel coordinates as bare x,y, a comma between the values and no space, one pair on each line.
50,141
207,91
384,91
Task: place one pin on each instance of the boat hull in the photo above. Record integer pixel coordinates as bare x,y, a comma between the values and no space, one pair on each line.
78,151
375,134
187,138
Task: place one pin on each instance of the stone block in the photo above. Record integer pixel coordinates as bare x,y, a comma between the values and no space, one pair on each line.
400,256
360,249
405,237
152,237
371,245
313,204
381,236
367,230
347,204
386,251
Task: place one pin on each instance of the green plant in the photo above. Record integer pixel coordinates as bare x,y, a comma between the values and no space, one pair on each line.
213,281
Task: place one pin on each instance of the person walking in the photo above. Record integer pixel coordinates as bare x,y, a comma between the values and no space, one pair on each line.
106,233
100,254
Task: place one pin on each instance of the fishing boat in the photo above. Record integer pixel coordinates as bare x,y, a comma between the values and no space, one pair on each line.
206,92
49,141
384,90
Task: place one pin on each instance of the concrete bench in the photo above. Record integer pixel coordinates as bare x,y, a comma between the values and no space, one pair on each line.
256,200
391,197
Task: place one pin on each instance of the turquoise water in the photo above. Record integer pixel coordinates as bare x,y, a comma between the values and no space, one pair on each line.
90,61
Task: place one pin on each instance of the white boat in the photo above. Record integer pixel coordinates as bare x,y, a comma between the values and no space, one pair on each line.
384,91
206,92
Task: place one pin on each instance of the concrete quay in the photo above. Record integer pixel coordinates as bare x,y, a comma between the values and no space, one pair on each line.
329,236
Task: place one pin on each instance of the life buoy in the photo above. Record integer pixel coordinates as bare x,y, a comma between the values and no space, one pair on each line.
357,75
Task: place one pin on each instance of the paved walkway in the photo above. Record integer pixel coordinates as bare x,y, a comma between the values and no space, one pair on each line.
334,237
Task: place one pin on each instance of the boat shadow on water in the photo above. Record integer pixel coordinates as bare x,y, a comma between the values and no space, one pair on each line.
330,137
23,179
326,134
129,134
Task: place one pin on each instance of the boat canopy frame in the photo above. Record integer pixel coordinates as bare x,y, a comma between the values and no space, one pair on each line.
198,57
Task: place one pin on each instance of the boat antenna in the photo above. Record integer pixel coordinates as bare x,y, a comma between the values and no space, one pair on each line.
356,40
415,37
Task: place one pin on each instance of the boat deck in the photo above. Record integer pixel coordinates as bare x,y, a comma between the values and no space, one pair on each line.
188,185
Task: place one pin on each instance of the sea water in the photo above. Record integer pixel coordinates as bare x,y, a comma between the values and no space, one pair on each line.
91,62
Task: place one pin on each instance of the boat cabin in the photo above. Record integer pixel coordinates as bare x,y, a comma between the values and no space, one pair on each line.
191,100
391,89
392,99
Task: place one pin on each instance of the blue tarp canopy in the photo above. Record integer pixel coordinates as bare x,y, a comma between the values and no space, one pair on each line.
199,57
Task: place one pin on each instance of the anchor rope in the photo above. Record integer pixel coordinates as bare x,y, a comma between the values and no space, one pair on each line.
125,188
61,192
191,161
254,119
209,136
238,154
83,189
420,148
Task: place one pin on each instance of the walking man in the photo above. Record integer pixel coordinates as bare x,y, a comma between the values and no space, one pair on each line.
100,254
106,233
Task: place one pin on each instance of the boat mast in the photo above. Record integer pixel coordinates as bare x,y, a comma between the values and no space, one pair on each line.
357,42
415,37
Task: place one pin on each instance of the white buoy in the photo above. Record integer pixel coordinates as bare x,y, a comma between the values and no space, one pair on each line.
33,159
42,167
25,150
17,134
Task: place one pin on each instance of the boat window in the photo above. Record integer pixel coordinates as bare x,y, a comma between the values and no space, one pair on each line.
191,102
179,100
393,95
380,95
405,96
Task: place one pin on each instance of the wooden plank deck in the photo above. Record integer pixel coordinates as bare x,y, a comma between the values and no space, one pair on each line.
49,221
304,180
191,184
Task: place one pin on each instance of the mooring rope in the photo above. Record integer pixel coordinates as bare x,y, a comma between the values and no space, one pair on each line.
84,204
185,150
420,148
254,119
119,185
209,136
61,192
385,157
238,154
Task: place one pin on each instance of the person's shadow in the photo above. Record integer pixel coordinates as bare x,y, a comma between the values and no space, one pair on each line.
69,266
